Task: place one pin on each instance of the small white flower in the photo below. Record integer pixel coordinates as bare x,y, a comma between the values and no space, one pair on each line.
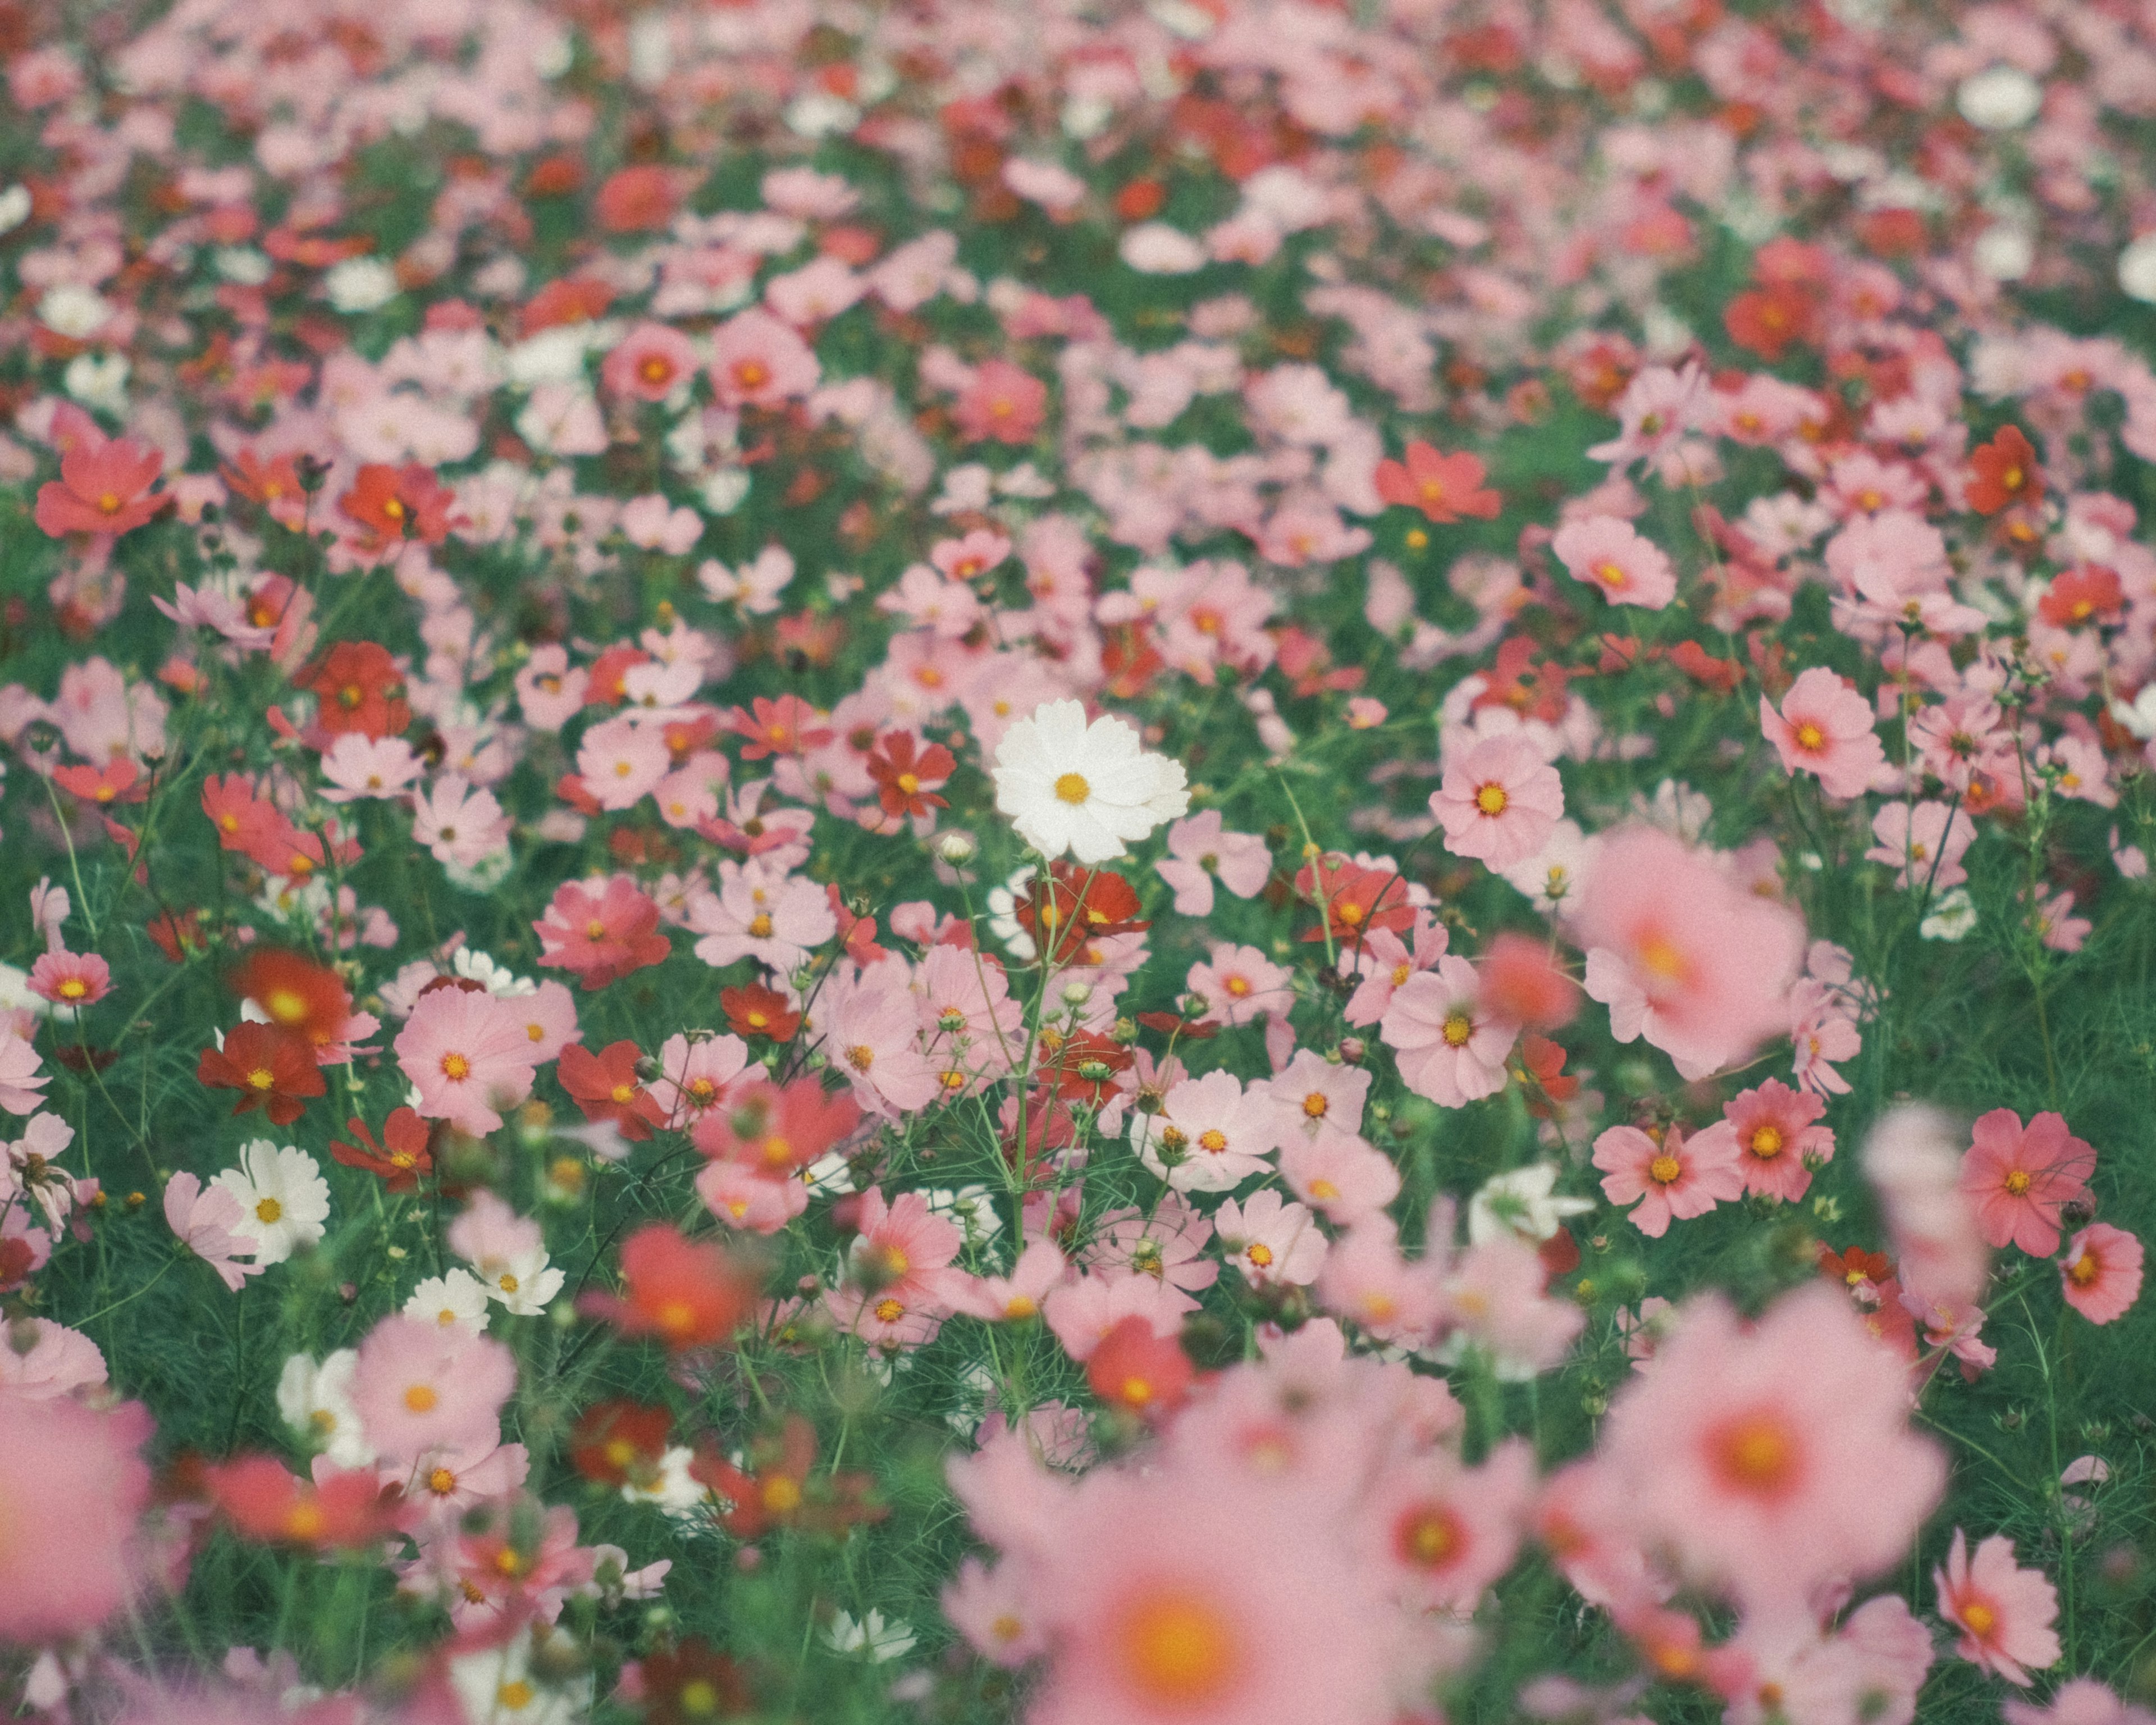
1999,98
2003,252
2138,716
98,380
456,1298
821,115
973,1208
1953,914
2136,270
830,1173
71,310
672,1489
360,285
284,1200
242,264
879,1640
1521,1202
316,1402
1087,789
15,205
496,1686
1155,249
474,966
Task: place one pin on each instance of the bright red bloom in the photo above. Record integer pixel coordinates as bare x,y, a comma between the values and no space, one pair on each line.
404,1164
1543,1061
1076,905
1443,487
178,935
103,488
298,995
1139,1371
2005,472
239,816
787,725
775,1490
575,298
1355,900
116,781
754,1010
357,688
606,1086
265,1502
274,485
1082,1067
2089,594
391,504
1767,320
637,200
618,1443
776,1130
687,1293
906,776
602,932
273,1070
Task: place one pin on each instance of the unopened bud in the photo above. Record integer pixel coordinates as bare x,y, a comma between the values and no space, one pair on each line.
957,848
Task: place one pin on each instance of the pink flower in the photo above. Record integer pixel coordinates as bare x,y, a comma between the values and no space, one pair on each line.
1923,845
71,979
756,361
460,823
1200,851
1271,1240
1318,1095
1825,726
1166,1246
1777,1138
1439,1532
693,1076
1910,1161
1767,1458
649,364
1080,1312
873,1041
20,1081
1240,983
356,765
1606,552
1368,1282
2021,1177
1681,954
469,1056
622,762
1041,1269
208,1221
601,933
1822,1032
2005,1614
1341,1176
903,1250
763,914
1678,1177
1001,404
1500,801
422,1388
71,1488
2101,1274
1451,1047
1210,1136
2082,1702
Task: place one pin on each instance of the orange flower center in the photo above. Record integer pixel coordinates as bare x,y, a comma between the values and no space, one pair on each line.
1178,1650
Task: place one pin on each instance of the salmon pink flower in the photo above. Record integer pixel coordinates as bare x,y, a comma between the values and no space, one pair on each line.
1136,1370
2004,1613
1777,1138
2100,1273
1002,404
103,488
1825,726
1768,1459
649,364
1499,802
1681,954
1608,553
1676,1177
2021,1177
601,931
71,1488
71,979
686,1293
1443,487
339,1507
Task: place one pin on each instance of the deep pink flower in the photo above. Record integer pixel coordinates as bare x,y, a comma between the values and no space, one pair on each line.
650,363
601,933
1825,726
2021,1177
71,979
2004,1613
71,1486
1678,1177
2101,1274
1777,1129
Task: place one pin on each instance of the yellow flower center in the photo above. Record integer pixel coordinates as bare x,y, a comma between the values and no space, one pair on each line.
1810,739
1459,1028
1767,1142
1072,788
421,1398
269,1210
2017,1182
1664,1168
1490,799
1179,1651
261,1078
455,1068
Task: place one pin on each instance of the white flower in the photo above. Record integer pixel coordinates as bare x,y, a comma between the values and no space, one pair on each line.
242,264
316,1402
2003,252
973,1208
456,1298
496,1686
360,285
672,1488
71,310
2139,717
2136,270
98,380
524,1284
15,205
284,1200
1521,1202
1155,249
1089,789
492,975
879,1640
1999,98
1953,914
1551,875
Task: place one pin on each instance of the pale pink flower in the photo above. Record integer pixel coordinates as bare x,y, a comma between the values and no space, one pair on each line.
1368,1282
2004,1613
1210,1135
762,914
1200,851
1041,1269
1271,1240
756,361
1678,1177
1911,1162
1439,1533
1239,984
421,1388
1167,1245
1680,954
1924,845
2081,1702
694,1075
1494,1301
208,1221
1825,728
1081,1311
1451,1047
1500,801
1823,1033
1384,963
356,765
468,1055
622,762
458,822
1338,1174
871,1036
74,1487
1317,1095
20,1081
1608,553
549,689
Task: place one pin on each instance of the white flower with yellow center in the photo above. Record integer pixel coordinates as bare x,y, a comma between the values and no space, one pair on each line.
284,1200
1087,789
455,1298
316,1402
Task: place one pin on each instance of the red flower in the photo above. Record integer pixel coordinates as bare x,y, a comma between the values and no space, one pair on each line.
298,995
787,725
1443,487
357,688
1542,1061
906,776
637,200
2091,593
404,1164
1768,320
1077,904
391,504
272,1069
602,935
618,1443
776,1130
1355,900
1139,1372
102,489
687,1293
692,1684
116,781
754,1010
606,1086
240,817
2005,472
264,1502
778,1492
273,485
1082,1067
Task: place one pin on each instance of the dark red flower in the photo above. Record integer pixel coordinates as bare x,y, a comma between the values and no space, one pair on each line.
907,776
753,1010
357,688
618,1443
692,1684
406,1160
606,1086
686,1293
2004,472
273,1070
